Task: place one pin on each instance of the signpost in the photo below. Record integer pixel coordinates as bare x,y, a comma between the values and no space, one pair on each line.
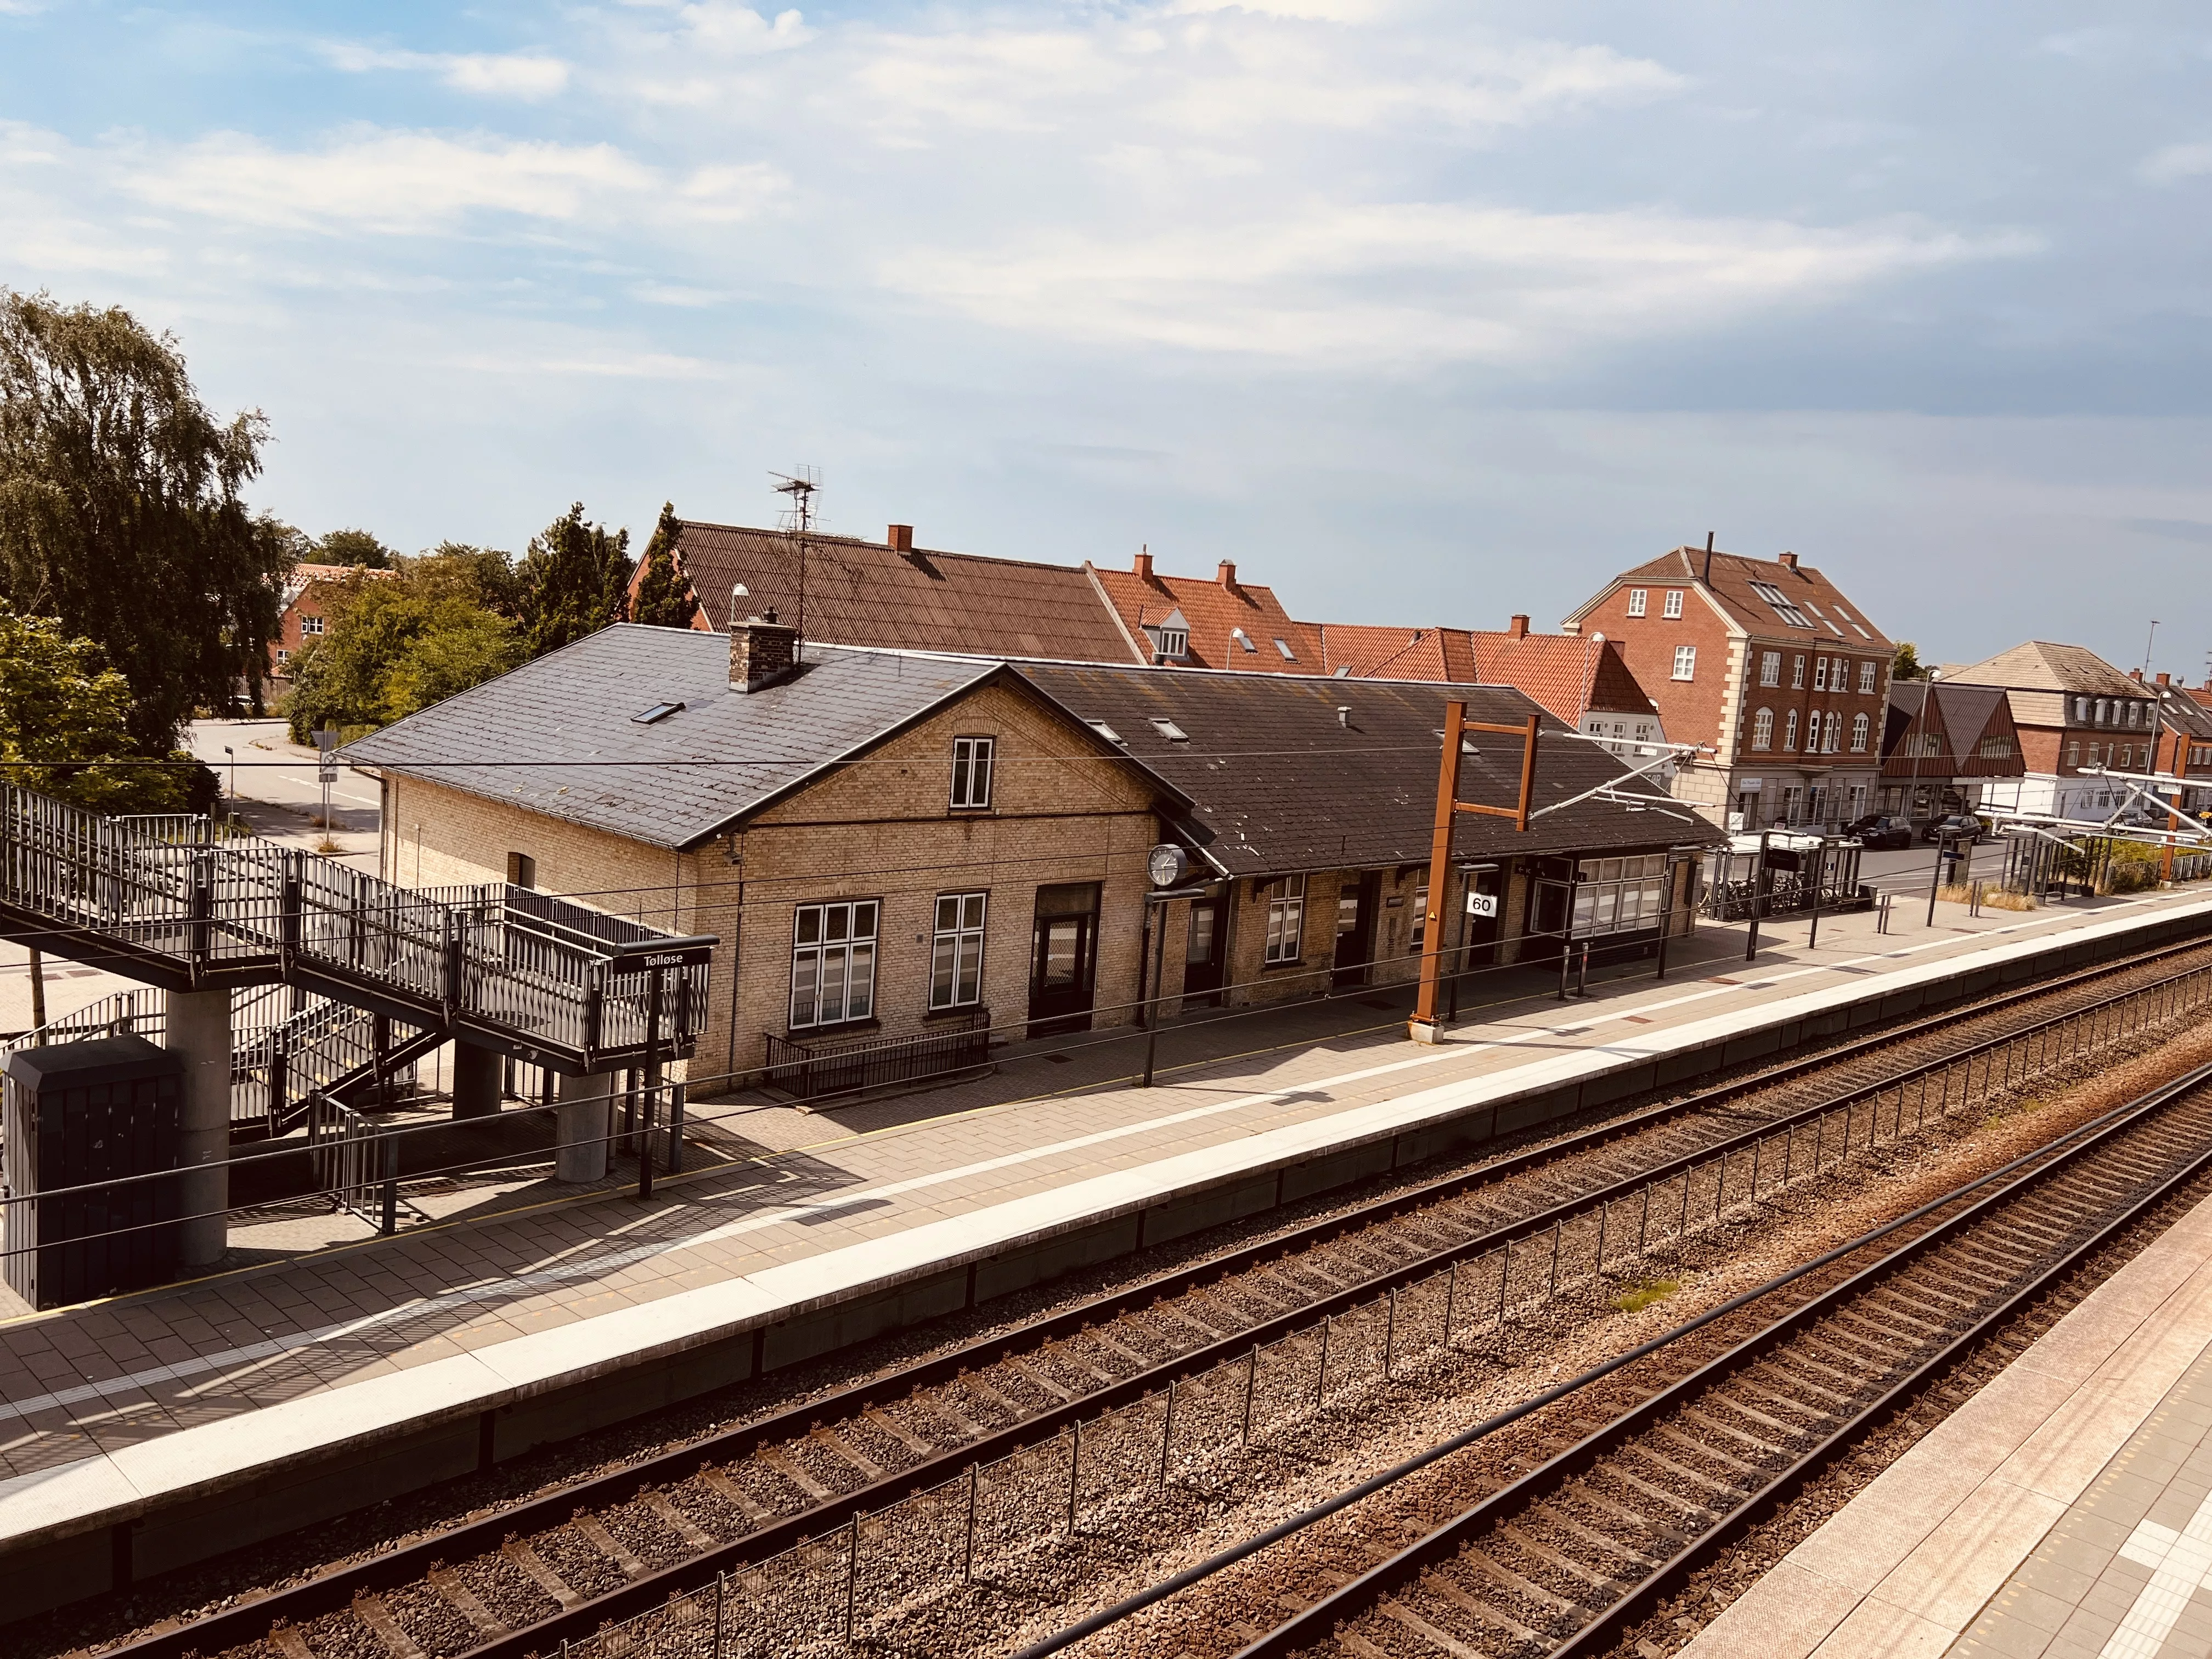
326,769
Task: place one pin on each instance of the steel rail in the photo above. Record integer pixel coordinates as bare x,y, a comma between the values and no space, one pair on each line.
1318,1623
251,1619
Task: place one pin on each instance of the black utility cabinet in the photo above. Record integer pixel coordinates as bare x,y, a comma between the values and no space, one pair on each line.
71,1115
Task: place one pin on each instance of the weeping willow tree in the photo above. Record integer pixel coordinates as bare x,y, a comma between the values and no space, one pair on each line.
122,515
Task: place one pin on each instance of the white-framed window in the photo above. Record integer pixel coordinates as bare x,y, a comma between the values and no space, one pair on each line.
2127,756
1835,737
1686,662
1673,606
1860,727
1762,729
1287,919
1866,679
1619,895
1175,641
282,655
310,626
1820,673
2073,754
1797,673
1420,921
956,956
1790,730
2101,707
1635,601
1770,668
971,770
833,962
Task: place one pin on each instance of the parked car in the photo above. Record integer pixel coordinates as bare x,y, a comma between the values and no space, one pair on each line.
1957,826
1881,832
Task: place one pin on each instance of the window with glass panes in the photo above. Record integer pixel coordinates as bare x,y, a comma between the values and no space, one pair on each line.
971,771
833,962
1619,896
955,956
1287,919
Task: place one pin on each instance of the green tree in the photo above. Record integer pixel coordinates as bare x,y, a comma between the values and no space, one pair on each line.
575,581
392,649
355,547
63,712
484,576
1905,664
121,511
664,597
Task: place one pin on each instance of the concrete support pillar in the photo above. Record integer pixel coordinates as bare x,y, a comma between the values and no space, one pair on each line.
476,1072
199,1030
580,1126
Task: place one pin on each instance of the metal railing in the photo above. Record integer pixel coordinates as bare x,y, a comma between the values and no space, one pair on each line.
552,972
806,1071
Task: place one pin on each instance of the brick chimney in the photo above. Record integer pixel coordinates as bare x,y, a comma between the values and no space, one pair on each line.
1517,628
1143,566
761,651
2165,678
900,537
1789,560
1227,575
2135,674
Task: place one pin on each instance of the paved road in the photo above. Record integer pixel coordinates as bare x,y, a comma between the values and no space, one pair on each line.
270,767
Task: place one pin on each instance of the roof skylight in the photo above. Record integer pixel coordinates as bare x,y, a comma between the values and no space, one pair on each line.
1783,607
654,715
1106,731
1171,731
1284,645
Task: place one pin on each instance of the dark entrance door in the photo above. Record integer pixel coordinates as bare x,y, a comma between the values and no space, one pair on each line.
1355,930
1202,951
1551,910
1063,958
1485,914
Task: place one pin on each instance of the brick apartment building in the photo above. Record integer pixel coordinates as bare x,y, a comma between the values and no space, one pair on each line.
2073,710
902,843
1781,680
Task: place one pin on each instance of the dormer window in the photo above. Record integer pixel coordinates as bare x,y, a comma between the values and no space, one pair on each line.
1174,642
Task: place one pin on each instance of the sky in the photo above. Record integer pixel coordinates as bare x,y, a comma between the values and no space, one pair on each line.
1421,313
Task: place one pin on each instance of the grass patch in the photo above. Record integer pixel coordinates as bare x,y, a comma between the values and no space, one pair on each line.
1993,898
1643,1293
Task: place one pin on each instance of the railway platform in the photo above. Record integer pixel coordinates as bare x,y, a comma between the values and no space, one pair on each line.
143,1433
2063,1512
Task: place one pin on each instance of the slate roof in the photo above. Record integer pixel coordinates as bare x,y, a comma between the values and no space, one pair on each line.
864,593
556,735
1831,615
1267,781
1279,786
1212,609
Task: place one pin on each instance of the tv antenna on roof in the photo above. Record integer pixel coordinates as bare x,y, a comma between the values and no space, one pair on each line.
798,523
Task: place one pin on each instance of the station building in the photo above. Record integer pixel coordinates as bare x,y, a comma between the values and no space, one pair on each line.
902,847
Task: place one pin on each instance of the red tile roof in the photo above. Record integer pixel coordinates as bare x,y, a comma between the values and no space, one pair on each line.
1214,612
871,594
1567,673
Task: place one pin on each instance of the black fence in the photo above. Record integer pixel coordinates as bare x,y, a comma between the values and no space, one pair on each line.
810,1071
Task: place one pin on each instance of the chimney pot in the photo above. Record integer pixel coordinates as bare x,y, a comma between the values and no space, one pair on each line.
761,651
1518,628
1227,575
900,537
1143,566
1790,559
2135,674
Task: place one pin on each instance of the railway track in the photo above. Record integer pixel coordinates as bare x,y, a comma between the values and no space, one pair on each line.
1563,1560
1054,1404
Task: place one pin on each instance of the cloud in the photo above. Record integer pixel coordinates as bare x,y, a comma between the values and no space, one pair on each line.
511,74
2176,162
2175,530
1344,285
720,26
408,182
